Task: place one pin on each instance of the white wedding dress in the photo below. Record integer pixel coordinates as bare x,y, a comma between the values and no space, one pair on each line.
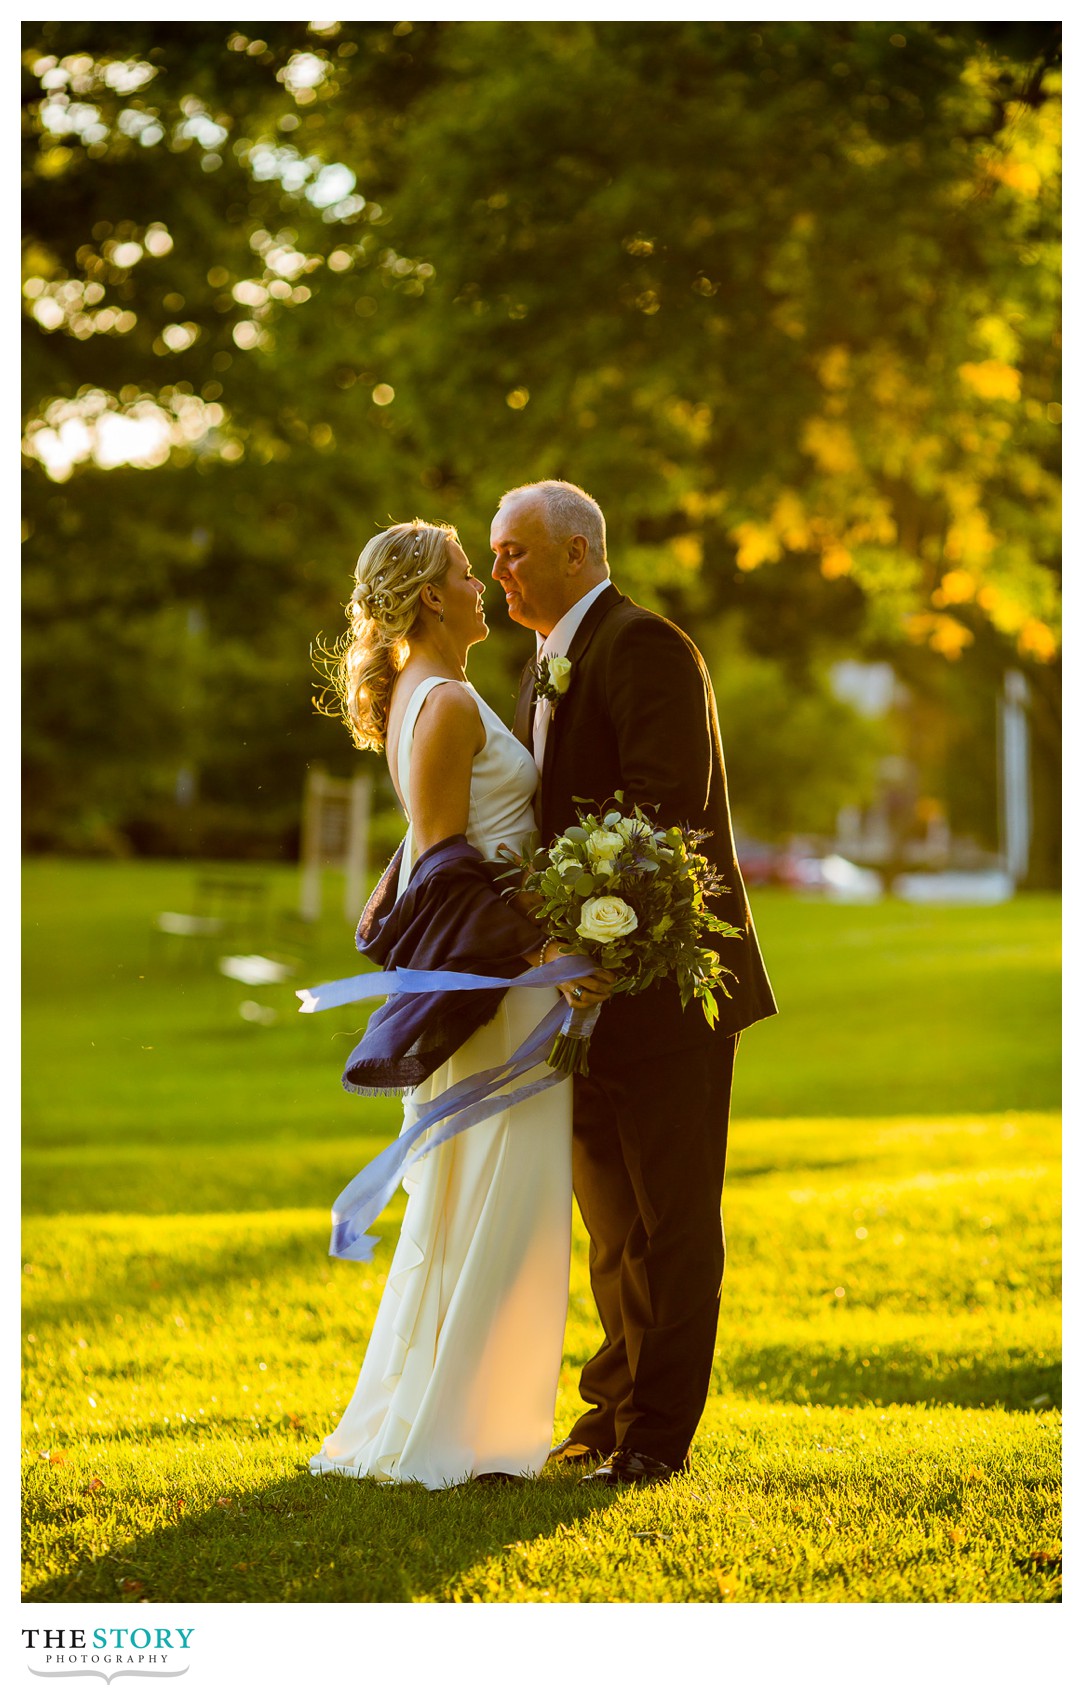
460,1374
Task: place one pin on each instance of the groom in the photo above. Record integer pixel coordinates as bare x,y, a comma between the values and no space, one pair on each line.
651,1120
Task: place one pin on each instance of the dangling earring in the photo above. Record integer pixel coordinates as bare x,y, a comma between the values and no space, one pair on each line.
441,616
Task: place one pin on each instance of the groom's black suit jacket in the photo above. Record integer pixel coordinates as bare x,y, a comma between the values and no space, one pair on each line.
639,716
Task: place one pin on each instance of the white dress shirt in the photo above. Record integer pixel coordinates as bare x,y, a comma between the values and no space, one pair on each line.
559,642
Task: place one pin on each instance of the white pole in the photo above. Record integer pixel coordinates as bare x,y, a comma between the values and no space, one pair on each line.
311,834
1014,773
357,845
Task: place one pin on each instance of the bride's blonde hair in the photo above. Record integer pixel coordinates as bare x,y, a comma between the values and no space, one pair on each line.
392,570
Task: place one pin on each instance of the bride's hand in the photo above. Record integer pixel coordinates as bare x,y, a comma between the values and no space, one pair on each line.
579,994
527,902
584,994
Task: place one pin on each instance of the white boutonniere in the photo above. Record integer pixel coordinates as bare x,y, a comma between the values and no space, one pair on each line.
552,678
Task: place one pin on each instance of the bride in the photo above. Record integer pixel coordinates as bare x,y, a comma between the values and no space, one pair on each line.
460,1376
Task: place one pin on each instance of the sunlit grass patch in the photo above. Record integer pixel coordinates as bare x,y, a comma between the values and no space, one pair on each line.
782,1504
902,1384
883,1420
802,1504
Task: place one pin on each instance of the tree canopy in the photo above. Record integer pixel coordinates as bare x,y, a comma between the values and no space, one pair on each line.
784,297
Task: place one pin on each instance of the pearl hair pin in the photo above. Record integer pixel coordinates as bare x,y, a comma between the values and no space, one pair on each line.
376,600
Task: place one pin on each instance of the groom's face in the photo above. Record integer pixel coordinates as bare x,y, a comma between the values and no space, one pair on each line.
531,567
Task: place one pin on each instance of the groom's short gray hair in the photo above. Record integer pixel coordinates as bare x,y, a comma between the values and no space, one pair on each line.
568,512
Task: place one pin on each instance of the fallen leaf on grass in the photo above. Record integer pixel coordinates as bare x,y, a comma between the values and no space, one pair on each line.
956,1535
54,1457
727,1585
295,1421
975,1473
131,1585
242,1566
94,1485
224,1499
180,1503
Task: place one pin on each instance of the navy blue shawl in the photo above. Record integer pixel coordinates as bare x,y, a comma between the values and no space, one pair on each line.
450,916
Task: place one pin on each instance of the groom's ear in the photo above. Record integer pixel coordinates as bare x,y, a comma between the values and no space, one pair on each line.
577,552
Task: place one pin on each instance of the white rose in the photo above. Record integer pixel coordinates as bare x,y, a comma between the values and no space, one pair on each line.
602,846
560,672
606,919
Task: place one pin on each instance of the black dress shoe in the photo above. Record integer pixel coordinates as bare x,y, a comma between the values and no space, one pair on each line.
571,1451
625,1468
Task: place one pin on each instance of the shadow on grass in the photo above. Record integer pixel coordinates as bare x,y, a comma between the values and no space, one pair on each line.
147,1181
1013,1380
167,1279
144,1180
738,1171
323,1538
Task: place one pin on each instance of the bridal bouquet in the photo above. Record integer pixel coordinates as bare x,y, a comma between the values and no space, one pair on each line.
633,895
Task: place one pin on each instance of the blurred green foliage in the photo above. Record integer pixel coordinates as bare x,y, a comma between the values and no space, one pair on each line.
783,296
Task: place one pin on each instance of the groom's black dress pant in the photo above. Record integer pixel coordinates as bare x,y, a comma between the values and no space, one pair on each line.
649,1160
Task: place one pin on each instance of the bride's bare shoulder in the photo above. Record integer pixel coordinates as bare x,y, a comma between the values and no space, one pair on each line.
450,714
404,690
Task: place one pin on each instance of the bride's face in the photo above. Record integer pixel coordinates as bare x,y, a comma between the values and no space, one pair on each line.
461,597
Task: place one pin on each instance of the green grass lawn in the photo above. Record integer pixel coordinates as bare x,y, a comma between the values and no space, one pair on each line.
883,1423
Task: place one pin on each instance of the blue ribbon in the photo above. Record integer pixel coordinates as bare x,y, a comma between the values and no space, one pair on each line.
358,987
462,1106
